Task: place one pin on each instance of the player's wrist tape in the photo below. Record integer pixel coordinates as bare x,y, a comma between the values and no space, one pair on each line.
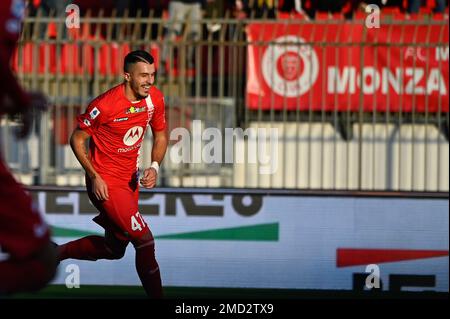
155,165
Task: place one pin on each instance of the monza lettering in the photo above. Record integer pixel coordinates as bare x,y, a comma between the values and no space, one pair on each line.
407,80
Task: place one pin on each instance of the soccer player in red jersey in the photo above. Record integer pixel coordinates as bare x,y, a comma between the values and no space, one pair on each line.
115,124
24,236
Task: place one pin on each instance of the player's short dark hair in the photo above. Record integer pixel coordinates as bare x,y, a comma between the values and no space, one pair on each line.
136,56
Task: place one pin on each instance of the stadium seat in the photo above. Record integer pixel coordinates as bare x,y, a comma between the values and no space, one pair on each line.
75,59
391,10
112,56
359,15
337,16
28,59
322,16
70,57
439,16
67,121
117,55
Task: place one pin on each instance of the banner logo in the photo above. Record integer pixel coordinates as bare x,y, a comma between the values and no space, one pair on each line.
290,67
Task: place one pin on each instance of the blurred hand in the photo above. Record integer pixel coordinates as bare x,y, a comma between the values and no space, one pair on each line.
149,178
99,188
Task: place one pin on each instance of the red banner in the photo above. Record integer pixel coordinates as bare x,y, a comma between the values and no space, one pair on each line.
342,66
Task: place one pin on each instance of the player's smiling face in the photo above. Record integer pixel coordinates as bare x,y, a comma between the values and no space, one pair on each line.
141,78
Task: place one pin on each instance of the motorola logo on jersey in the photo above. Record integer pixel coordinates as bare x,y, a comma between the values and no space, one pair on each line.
133,135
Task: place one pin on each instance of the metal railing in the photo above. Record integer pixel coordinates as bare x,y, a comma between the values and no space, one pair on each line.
326,140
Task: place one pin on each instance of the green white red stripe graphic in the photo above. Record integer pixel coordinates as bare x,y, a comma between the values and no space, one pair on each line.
260,232
346,257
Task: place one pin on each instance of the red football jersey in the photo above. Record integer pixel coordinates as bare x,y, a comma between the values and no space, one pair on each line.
117,127
22,230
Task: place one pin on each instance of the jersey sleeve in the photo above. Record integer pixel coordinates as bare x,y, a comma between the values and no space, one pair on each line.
158,121
91,119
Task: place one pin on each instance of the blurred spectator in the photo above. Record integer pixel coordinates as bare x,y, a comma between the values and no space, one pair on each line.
410,6
56,8
361,4
387,3
311,7
440,6
290,5
158,7
239,10
258,8
414,6
132,6
179,11
355,5
217,9
347,7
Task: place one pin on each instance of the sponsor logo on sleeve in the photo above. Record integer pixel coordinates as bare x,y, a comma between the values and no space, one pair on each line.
94,113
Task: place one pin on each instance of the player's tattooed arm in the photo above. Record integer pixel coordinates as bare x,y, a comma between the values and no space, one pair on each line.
78,143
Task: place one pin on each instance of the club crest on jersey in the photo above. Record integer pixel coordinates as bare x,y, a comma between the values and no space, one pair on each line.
132,110
94,113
